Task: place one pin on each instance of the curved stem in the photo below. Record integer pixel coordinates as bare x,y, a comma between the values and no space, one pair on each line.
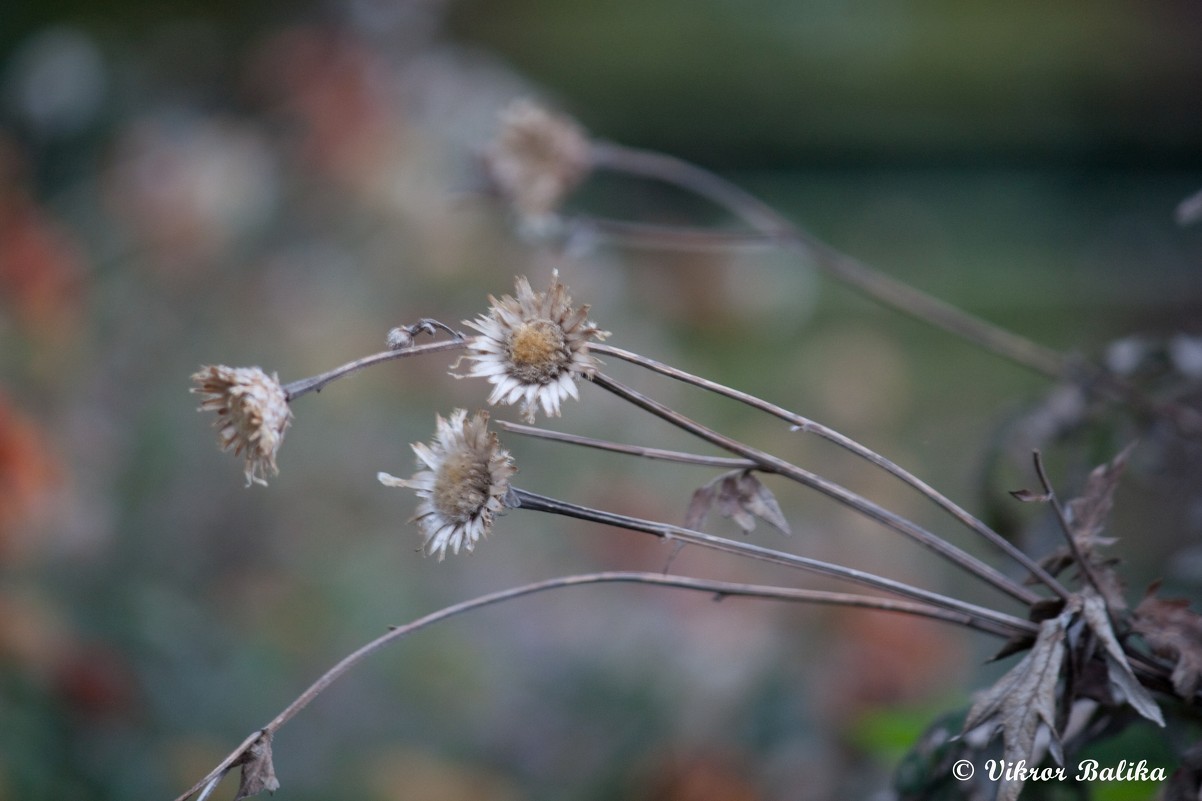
316,383
831,435
720,589
584,229
834,263
540,503
630,450
1083,563
868,280
830,489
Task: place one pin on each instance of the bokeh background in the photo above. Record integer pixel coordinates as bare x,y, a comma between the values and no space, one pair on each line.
279,184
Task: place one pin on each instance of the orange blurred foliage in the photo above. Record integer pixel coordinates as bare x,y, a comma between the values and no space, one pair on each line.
336,88
28,471
881,660
40,266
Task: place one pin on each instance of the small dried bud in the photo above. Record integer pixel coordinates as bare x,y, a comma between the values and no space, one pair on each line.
537,158
399,338
252,414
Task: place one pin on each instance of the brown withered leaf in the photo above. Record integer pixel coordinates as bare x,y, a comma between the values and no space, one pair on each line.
1031,698
760,501
700,505
1087,515
1023,702
258,774
1124,686
1173,632
1028,496
740,496
1015,645
1041,610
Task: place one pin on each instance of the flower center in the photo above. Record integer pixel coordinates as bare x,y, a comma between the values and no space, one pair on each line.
461,487
537,352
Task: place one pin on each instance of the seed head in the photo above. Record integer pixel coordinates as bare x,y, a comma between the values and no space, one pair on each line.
537,158
534,347
252,414
464,485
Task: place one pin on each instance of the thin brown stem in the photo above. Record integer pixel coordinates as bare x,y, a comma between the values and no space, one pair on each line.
1066,526
888,291
858,503
720,589
842,267
213,777
540,503
808,426
315,384
588,230
630,450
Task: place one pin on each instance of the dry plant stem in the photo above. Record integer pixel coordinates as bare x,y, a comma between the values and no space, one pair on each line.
840,266
209,783
841,494
810,427
993,621
583,230
720,589
317,382
1065,526
212,784
630,450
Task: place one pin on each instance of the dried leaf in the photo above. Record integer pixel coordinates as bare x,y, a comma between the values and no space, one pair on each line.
760,501
1031,699
699,506
1087,514
732,504
1023,702
1173,632
1015,645
1027,496
258,774
1123,683
1046,608
740,496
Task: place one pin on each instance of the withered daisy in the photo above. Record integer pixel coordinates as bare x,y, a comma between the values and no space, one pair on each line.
464,485
537,158
534,347
252,414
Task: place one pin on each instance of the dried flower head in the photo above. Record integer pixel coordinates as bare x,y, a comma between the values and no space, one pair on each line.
537,158
464,485
534,347
252,414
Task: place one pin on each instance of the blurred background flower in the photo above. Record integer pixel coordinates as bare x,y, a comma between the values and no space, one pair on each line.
281,184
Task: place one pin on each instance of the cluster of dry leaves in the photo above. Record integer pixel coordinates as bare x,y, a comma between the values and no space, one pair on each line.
1085,672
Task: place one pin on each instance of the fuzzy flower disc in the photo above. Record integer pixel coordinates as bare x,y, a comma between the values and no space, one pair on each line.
464,485
534,347
252,414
